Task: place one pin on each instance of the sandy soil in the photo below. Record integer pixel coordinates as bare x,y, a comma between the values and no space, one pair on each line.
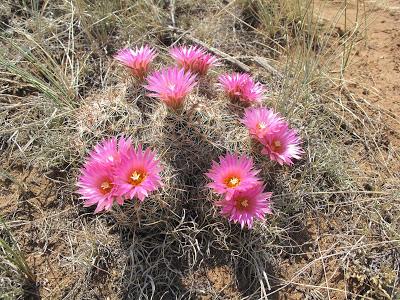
373,74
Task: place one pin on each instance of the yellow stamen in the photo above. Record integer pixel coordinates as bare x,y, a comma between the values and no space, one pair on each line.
241,203
137,178
276,146
244,203
261,125
106,187
232,182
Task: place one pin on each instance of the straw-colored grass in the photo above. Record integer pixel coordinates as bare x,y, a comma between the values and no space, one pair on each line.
333,231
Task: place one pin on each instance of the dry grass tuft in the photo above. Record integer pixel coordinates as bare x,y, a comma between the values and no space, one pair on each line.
333,231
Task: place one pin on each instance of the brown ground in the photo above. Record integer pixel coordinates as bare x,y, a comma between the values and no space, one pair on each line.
372,75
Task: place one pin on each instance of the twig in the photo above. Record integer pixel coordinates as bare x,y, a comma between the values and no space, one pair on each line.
263,62
172,11
224,55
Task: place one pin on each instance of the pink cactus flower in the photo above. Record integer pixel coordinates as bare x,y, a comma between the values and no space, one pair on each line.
232,173
193,58
282,146
97,186
96,183
138,174
138,60
261,121
239,86
232,84
252,91
110,151
245,206
171,85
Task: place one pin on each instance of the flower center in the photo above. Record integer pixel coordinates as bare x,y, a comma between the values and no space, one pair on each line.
137,178
242,203
106,187
232,182
261,126
276,146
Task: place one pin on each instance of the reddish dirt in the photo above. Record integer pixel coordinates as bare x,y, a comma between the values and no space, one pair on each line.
38,222
373,75
374,70
216,282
